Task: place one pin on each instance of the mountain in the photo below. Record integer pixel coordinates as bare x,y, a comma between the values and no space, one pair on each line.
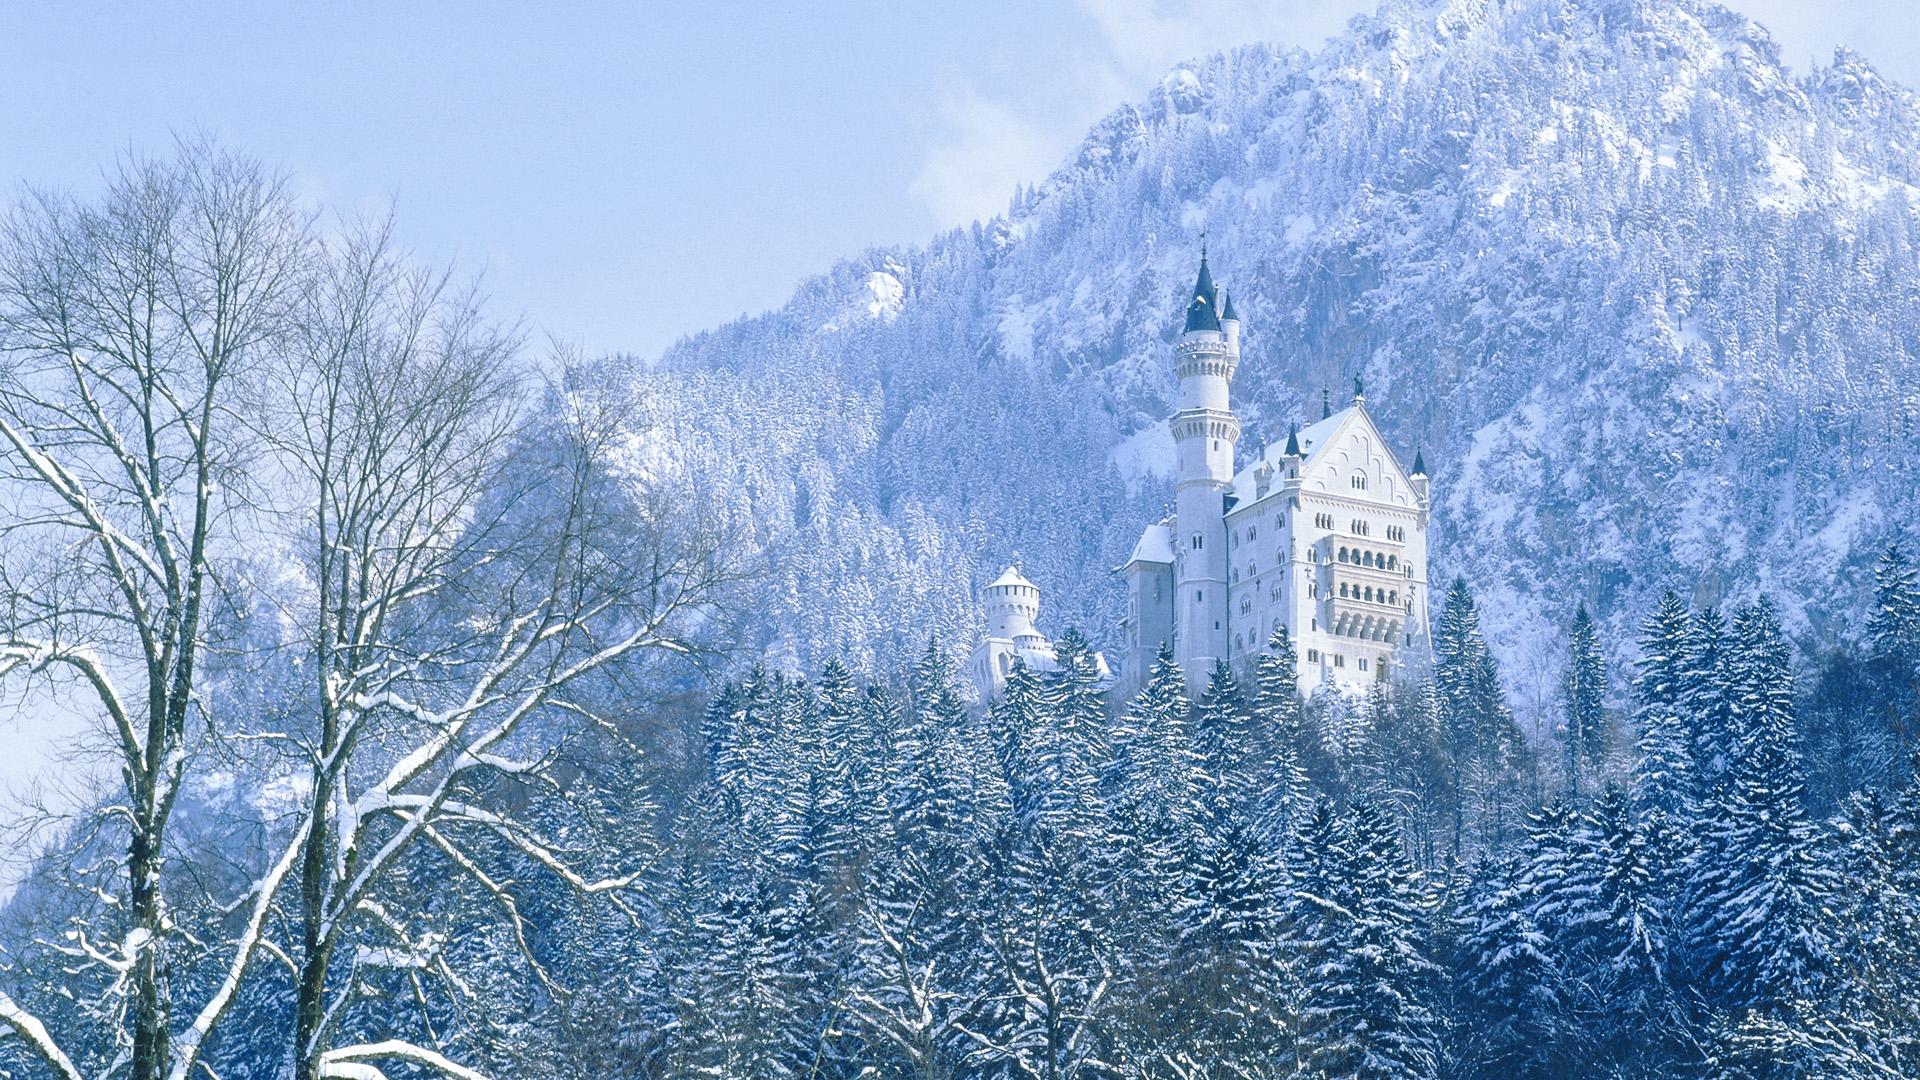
1645,297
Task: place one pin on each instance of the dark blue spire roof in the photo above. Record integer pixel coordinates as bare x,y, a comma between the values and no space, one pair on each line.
1419,464
1293,441
1202,313
1226,307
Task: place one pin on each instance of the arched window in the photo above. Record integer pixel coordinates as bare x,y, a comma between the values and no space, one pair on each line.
1250,570
1195,542
1343,554
1368,558
1393,562
1343,590
1252,531
1313,555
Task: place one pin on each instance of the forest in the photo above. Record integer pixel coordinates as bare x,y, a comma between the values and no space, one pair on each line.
448,708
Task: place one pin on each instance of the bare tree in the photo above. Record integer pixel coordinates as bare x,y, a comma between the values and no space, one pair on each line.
127,322
465,568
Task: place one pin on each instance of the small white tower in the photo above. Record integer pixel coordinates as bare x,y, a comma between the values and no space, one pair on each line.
1012,607
1205,432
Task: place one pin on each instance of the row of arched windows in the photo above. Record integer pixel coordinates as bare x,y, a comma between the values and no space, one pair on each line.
1367,558
1370,594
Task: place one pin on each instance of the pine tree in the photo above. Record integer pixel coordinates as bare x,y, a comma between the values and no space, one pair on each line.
1765,885
1225,739
1517,1026
1583,691
1223,928
1484,740
1704,707
1283,801
1662,777
1893,630
1365,978
1893,645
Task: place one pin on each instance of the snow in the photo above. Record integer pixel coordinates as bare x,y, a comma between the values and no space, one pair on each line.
1147,454
1016,329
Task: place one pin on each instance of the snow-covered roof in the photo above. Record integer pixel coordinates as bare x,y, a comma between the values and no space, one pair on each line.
1315,439
1155,545
1012,576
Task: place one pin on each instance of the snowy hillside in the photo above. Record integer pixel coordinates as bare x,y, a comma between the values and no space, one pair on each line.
1645,298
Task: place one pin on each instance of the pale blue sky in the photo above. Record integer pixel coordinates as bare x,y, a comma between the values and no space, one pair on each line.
628,173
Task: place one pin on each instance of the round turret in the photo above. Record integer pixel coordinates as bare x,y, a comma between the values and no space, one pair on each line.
1013,606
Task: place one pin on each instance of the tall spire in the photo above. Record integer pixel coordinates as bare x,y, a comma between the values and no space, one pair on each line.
1202,311
1293,440
1419,464
1326,403
1359,391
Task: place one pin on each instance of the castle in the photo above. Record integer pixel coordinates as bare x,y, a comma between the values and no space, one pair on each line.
1325,535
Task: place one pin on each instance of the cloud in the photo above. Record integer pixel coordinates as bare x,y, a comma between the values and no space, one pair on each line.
986,148
987,142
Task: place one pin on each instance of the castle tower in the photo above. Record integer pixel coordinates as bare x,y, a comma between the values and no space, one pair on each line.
1205,431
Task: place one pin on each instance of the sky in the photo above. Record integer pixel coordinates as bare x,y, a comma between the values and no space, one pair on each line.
624,174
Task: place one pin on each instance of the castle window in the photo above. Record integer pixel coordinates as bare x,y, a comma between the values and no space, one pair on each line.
1409,569
1343,554
1313,590
1252,531
1238,644
1362,664
1236,577
1250,570
1343,590
1369,592
1313,656
1196,541
1359,481
1313,624
1199,596
1313,555
1339,660
1367,558
1393,562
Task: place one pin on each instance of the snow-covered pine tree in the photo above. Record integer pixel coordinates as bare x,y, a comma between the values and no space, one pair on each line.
1765,886
1225,737
1484,740
1516,1027
1223,931
1893,645
1358,932
1276,708
1662,775
1893,629
1704,708
1583,690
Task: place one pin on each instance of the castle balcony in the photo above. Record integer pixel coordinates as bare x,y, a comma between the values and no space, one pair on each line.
1365,622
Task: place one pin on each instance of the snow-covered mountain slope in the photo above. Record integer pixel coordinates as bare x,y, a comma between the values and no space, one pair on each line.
1647,300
